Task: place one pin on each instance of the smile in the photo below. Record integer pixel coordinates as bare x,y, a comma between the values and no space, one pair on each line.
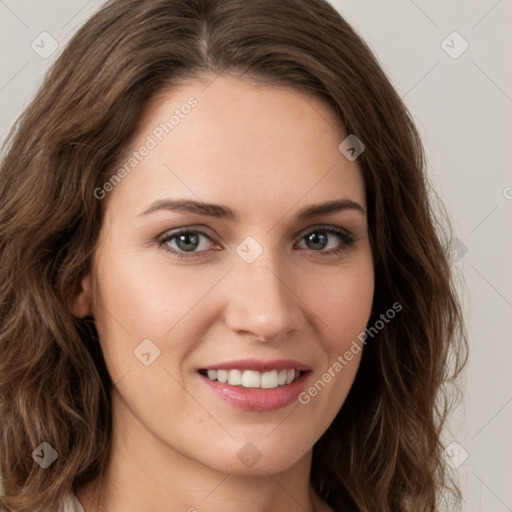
252,378
255,385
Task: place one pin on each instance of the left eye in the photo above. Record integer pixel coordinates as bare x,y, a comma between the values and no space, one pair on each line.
320,236
187,243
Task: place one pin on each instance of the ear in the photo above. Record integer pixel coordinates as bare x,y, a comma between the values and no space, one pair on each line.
81,302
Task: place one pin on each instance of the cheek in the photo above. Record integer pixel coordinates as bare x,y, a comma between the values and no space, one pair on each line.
343,307
342,303
142,298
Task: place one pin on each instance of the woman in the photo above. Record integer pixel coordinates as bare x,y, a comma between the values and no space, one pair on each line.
223,281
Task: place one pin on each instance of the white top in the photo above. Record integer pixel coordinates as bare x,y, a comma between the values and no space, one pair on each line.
72,504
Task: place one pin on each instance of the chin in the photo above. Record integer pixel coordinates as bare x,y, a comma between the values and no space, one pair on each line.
256,455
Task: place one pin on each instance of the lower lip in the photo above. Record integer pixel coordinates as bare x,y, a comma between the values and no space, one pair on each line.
257,399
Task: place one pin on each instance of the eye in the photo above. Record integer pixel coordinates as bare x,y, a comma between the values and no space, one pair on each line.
187,243
318,240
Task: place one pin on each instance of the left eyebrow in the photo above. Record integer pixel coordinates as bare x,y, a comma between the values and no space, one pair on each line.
330,207
224,212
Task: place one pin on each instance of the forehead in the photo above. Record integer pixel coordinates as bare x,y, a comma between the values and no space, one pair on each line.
230,140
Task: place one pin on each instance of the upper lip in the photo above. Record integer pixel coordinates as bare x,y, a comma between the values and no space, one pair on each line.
259,366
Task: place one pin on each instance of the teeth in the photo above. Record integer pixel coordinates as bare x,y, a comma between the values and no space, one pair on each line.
222,376
251,379
269,379
254,379
235,377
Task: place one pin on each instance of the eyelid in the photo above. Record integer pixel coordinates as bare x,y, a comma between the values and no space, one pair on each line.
327,227
347,237
196,228
201,229
171,234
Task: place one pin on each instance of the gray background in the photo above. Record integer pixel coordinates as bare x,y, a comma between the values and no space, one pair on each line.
462,107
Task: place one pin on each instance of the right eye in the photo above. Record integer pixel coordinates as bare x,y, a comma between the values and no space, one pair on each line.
185,242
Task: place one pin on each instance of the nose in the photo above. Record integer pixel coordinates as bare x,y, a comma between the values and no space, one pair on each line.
262,301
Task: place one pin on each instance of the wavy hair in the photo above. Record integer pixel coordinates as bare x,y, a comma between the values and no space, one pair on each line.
384,449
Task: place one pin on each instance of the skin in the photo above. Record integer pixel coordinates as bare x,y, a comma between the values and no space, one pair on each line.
266,152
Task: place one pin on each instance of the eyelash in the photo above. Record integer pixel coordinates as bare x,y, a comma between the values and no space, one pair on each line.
347,239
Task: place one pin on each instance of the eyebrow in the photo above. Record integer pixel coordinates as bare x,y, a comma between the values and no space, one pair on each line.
224,212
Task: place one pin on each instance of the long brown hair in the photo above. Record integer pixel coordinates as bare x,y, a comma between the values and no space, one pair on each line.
383,451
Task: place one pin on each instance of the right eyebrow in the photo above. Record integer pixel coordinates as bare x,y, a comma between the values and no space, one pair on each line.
192,206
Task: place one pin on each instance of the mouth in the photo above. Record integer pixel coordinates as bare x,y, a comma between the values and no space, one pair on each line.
253,379
256,385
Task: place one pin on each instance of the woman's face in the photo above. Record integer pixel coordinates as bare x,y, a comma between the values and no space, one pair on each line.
251,289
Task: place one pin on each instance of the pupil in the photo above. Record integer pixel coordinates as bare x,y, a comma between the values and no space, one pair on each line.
314,238
187,237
